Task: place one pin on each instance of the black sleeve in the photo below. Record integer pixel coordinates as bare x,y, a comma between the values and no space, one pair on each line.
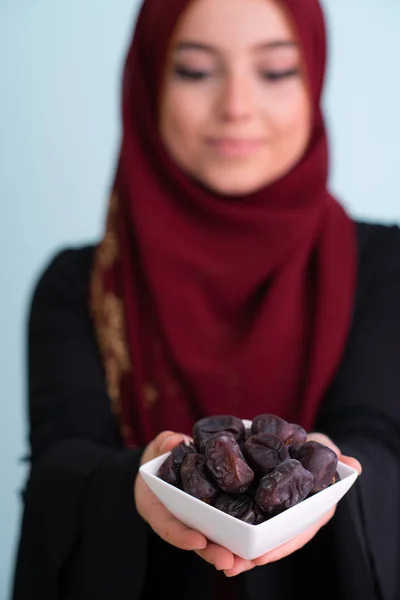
81,536
362,415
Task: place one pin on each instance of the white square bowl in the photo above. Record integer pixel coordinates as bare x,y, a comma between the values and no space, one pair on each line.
244,540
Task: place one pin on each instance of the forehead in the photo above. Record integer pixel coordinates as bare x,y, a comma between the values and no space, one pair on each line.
242,22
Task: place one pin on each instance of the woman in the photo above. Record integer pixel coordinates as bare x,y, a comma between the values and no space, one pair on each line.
229,280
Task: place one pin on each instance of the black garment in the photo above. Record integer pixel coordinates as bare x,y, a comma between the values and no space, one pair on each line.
81,537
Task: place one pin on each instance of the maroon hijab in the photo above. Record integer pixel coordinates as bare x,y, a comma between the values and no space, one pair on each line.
207,305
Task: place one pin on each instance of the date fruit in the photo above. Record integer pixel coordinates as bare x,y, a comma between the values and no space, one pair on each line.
294,450
321,461
299,435
285,486
225,461
264,452
241,506
196,480
169,471
209,426
251,472
289,433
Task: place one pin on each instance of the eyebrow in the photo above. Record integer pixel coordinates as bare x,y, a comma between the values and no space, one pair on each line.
272,45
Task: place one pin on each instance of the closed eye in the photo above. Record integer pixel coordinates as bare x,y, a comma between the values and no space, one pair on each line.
191,74
279,75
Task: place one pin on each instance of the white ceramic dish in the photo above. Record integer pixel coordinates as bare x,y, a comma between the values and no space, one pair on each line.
244,540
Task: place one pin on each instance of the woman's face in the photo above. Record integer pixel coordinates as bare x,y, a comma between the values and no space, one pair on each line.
235,111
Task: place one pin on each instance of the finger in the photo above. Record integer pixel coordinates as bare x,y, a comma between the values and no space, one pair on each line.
152,450
218,556
296,543
240,566
163,443
171,530
351,462
169,442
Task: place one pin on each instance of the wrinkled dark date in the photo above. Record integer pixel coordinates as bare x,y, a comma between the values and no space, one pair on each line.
285,486
299,435
264,452
209,426
289,433
294,450
251,473
321,461
196,479
241,506
267,423
225,461
170,469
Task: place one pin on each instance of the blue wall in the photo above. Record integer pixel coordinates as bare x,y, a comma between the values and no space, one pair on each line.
59,128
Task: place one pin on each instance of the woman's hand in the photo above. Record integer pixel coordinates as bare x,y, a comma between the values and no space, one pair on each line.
168,527
174,532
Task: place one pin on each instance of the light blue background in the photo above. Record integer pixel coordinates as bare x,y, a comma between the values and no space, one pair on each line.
60,64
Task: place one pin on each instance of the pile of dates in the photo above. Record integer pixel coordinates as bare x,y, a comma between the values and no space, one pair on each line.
252,473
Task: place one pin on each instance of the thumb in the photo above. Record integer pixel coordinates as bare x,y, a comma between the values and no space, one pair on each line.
163,443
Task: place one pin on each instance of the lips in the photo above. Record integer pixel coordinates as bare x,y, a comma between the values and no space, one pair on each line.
234,147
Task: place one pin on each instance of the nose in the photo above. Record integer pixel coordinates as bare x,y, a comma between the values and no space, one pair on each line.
237,98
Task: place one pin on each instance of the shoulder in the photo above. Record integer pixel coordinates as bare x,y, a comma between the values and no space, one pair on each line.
378,254
65,275
376,237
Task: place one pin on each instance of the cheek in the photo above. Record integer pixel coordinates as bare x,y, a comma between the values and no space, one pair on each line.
291,119
182,120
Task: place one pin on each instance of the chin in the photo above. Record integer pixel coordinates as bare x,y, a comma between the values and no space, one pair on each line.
236,184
